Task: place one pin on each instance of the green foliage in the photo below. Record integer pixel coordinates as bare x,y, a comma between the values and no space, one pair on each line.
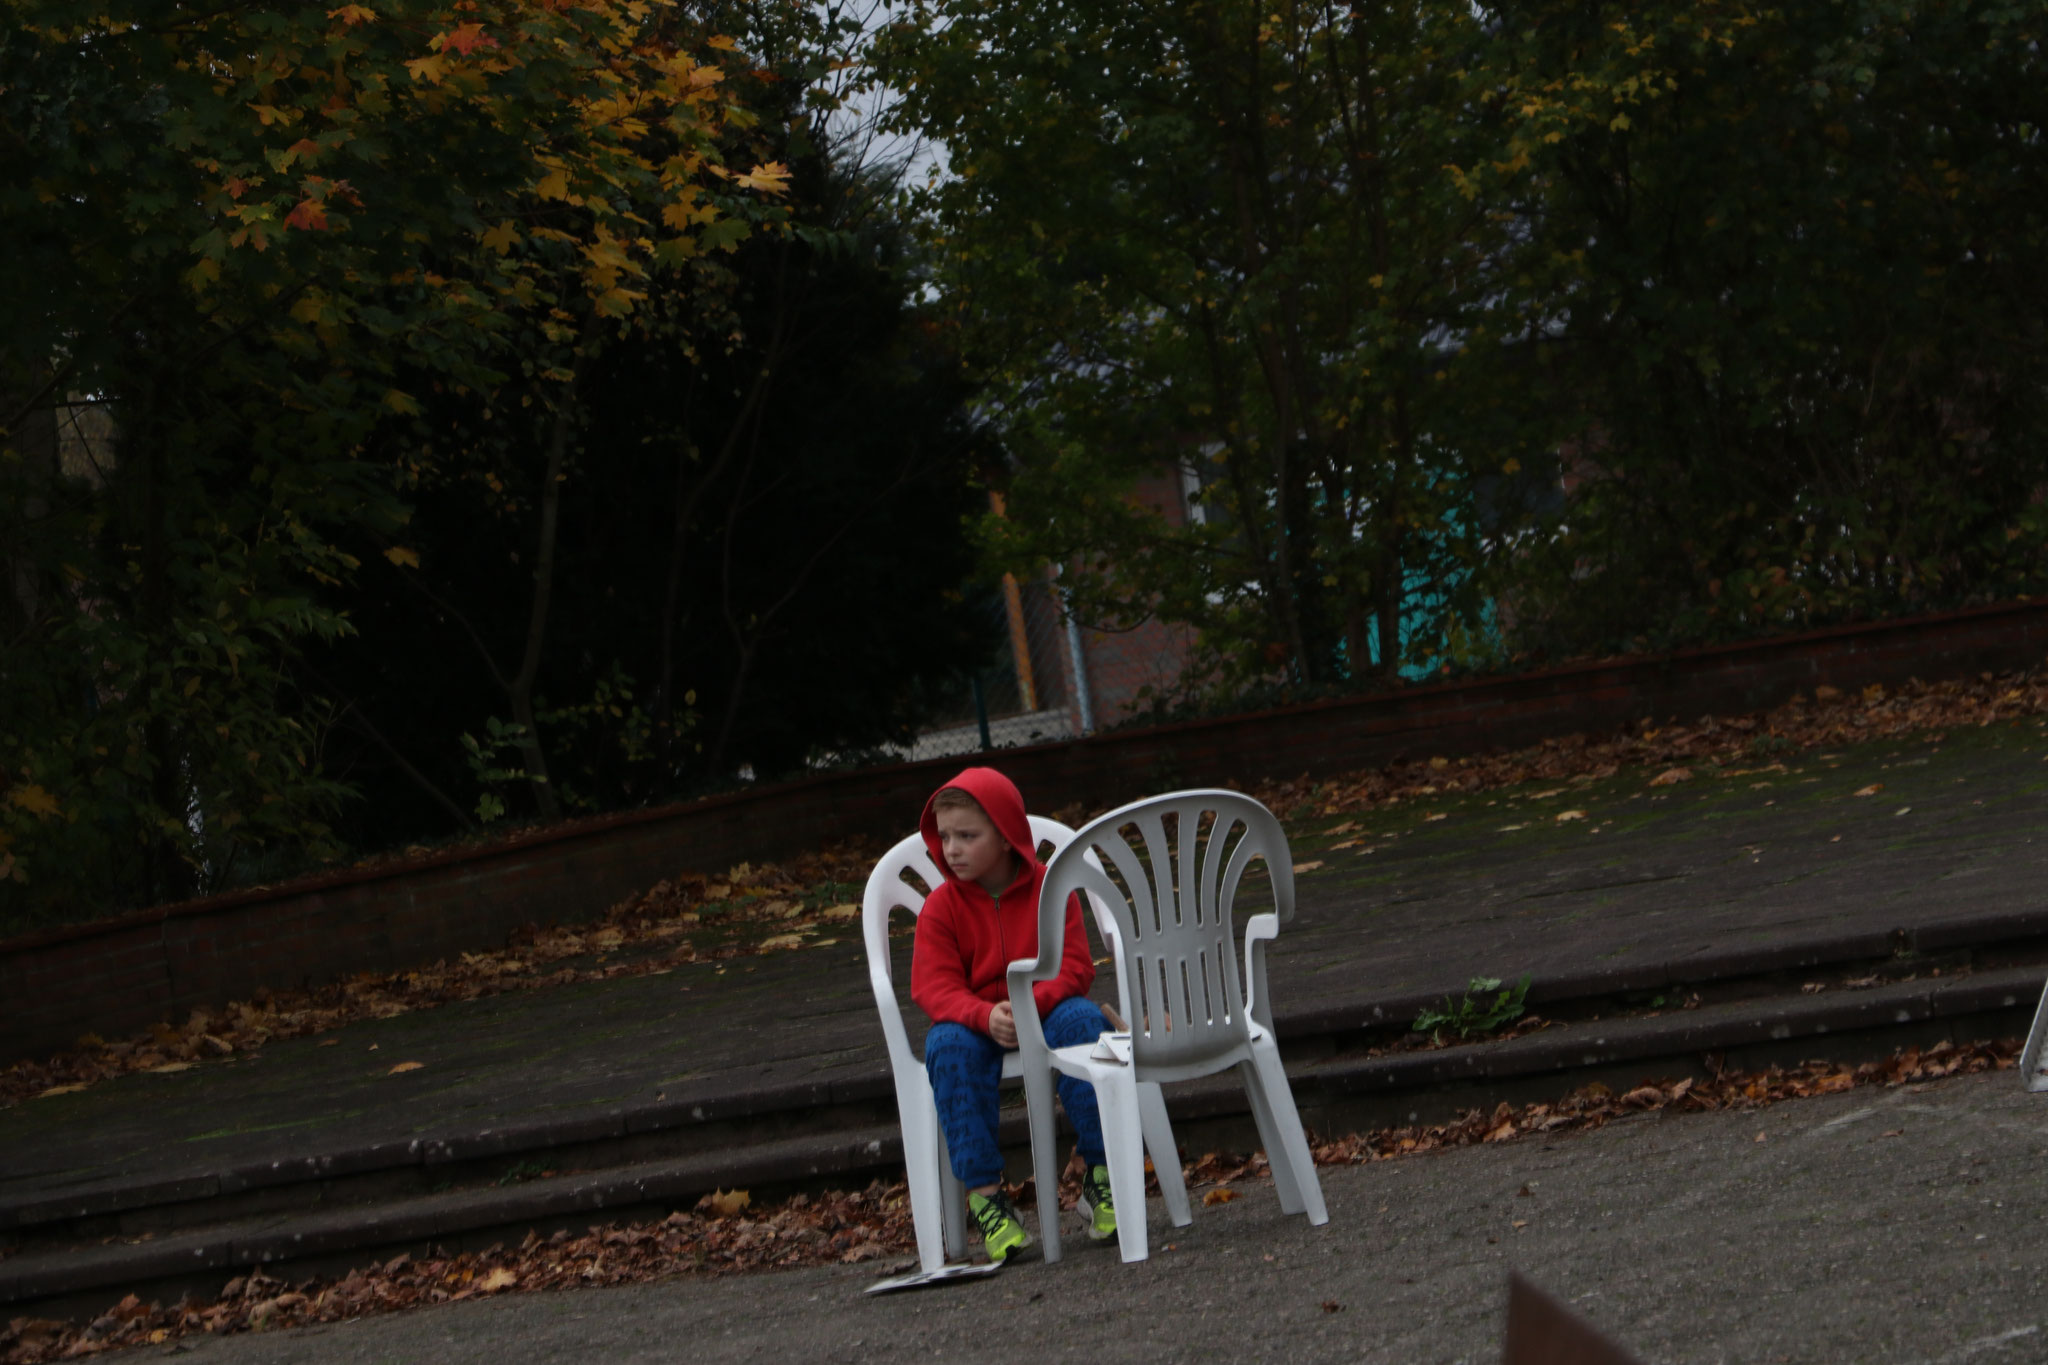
1485,1007
231,232
1805,343
1551,329
1216,243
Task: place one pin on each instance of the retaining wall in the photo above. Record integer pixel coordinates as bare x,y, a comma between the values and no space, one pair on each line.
121,974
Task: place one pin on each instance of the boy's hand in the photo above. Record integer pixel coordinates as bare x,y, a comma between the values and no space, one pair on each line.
1002,1025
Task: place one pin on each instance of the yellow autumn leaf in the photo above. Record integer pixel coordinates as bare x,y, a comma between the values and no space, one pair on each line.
770,178
428,69
553,185
351,15
501,238
399,401
402,557
727,1202
1215,1197
33,799
783,941
847,911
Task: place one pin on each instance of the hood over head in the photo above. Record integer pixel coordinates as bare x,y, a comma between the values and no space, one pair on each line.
998,796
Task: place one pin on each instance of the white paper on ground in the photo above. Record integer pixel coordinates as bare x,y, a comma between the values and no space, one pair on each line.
945,1274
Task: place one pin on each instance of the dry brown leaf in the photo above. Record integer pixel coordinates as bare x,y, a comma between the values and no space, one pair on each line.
848,911
1565,815
1671,777
1309,866
405,1066
783,941
1215,1197
61,1090
1871,790
501,1278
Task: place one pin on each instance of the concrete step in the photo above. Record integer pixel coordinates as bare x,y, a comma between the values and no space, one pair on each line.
56,1275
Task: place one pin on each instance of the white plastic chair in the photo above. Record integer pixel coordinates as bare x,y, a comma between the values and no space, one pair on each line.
938,1201
1177,982
2032,1074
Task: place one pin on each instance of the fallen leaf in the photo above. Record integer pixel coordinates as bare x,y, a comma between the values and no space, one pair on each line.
1510,829
328,1042
823,942
1215,1197
1434,815
1308,866
1893,1132
405,1066
1332,1306
60,1090
169,1067
1759,1137
726,1202
1902,810
501,1278
783,941
1565,815
840,912
1671,777
1521,1222
1871,790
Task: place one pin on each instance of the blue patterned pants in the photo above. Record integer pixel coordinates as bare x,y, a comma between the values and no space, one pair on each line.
966,1069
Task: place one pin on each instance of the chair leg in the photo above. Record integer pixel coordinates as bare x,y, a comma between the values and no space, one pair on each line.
1284,1136
1045,1166
923,1170
1284,1183
952,1206
1173,1184
1123,1140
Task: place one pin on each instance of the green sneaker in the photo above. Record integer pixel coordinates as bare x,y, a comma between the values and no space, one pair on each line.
1002,1230
1098,1204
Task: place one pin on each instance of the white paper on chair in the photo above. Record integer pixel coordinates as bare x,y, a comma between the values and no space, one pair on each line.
945,1274
1113,1047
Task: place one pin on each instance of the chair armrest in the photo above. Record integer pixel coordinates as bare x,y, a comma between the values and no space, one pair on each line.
1030,1031
1257,931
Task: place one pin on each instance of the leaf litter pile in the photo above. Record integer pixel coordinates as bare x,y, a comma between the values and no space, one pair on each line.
726,1235
1726,746
697,917
690,917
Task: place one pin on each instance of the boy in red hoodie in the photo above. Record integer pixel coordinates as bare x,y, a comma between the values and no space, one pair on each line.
984,917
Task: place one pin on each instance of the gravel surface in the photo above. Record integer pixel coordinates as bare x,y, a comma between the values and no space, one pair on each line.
1900,1225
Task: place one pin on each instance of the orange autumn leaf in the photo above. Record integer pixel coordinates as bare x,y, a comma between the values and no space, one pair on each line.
309,216
464,39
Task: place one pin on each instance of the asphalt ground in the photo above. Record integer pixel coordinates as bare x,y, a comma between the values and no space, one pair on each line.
1871,1225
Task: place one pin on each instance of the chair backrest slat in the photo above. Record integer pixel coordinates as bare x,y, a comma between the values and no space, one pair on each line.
1172,913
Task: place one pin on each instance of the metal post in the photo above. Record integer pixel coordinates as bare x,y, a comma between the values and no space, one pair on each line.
1077,663
981,713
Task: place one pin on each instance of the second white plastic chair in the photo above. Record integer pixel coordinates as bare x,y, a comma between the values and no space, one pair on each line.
1169,924
938,1201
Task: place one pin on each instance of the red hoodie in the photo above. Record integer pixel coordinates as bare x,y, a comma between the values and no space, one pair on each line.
966,938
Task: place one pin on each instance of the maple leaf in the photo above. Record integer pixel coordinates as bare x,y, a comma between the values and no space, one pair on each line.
310,215
501,238
428,69
33,799
351,15
771,178
402,557
464,39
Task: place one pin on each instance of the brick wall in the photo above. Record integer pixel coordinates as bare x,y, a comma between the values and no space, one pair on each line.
121,974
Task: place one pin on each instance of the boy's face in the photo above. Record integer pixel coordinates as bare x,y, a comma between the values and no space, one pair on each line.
972,848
